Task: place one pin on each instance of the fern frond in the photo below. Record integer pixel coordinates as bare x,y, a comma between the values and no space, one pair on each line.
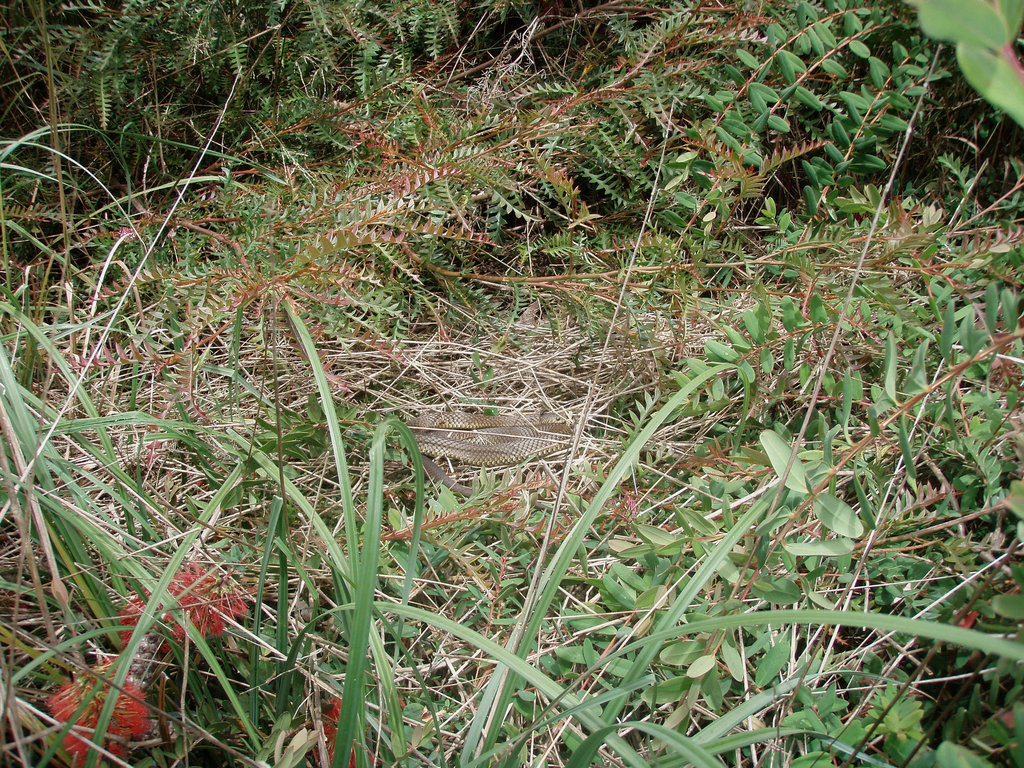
783,155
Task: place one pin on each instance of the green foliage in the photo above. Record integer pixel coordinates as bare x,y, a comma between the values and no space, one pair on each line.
984,34
772,259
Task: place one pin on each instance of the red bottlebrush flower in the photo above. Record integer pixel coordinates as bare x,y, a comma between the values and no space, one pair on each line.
331,722
331,731
206,599
83,699
130,617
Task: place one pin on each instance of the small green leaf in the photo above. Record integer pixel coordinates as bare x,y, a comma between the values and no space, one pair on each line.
859,49
893,123
753,321
739,342
574,654
821,548
732,660
811,196
878,72
729,140
789,64
617,592
806,14
651,597
716,351
863,501
1008,302
655,536
687,201
779,453
817,310
838,516
847,401
766,94
791,317
867,164
629,577
834,68
701,666
772,663
674,218
1015,501
1009,606
789,354
810,35
950,755
974,22
968,338
747,58
736,127
1013,13
778,124
994,77
854,101
734,74
806,97
839,134
851,109
992,307
682,653
667,691
852,24
760,122
890,367
825,34
905,449
778,591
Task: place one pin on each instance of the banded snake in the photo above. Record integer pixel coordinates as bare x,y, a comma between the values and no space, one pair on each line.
485,441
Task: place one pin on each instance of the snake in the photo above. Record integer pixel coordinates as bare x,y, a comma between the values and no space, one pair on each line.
481,440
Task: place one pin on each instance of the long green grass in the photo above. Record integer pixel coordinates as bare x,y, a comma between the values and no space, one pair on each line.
766,264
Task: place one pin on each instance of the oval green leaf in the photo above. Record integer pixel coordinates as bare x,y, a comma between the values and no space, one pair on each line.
838,516
974,22
1009,606
994,77
779,451
717,351
701,666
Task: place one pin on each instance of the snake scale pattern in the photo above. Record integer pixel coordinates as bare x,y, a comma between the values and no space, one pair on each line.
486,441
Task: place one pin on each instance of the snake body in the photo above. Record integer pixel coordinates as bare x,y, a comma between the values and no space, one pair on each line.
486,441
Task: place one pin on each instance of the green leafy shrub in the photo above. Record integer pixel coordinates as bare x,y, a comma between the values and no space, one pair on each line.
770,256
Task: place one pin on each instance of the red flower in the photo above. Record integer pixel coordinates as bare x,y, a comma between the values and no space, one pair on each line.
206,599
331,731
331,722
85,696
130,617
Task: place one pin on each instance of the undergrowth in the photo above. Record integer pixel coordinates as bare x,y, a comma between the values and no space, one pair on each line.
767,261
